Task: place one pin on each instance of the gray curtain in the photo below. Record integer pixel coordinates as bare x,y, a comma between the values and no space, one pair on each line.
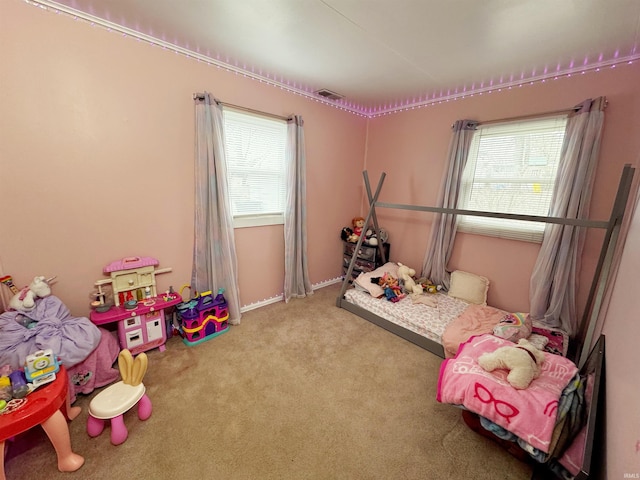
214,253
296,275
554,279
443,228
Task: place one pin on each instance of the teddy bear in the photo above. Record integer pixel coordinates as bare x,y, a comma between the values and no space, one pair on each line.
25,299
405,274
523,360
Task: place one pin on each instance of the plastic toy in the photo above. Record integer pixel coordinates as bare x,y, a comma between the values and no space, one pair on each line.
136,307
117,399
203,318
129,279
19,385
41,367
429,287
8,281
5,383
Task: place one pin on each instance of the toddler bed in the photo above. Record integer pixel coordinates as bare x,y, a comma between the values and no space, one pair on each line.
453,334
438,322
87,352
543,423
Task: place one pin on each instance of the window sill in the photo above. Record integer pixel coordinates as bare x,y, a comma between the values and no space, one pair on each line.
258,221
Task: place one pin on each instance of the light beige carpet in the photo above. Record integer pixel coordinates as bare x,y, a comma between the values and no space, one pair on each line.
303,390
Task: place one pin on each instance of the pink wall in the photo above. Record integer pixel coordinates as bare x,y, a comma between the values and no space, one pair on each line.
622,331
96,142
411,148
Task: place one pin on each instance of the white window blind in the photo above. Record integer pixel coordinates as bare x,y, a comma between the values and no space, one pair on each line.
511,169
255,152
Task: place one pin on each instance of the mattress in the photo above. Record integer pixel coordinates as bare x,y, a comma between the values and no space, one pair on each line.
420,318
452,322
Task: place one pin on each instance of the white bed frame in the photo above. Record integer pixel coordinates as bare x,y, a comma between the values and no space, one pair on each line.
596,293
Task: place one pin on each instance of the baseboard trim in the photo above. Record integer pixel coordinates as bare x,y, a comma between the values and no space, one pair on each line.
280,298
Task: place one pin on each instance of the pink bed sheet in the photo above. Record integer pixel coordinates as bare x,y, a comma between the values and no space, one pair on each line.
475,320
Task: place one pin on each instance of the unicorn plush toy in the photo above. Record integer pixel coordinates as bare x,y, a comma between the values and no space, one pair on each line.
25,299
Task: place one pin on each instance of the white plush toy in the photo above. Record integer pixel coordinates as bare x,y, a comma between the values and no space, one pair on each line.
405,274
25,299
523,360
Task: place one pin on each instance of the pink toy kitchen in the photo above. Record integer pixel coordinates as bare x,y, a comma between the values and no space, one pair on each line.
136,307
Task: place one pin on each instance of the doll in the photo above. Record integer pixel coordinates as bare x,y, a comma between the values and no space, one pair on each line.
358,229
391,287
358,225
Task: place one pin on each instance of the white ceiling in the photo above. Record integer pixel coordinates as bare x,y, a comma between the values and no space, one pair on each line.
383,54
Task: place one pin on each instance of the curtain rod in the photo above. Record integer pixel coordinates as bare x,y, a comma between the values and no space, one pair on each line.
200,96
537,115
533,115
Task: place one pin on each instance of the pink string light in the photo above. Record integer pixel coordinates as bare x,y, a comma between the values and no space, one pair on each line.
367,111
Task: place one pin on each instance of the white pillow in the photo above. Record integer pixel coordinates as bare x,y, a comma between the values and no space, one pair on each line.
364,279
469,287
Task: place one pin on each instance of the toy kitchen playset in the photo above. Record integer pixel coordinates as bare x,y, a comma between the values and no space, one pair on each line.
137,307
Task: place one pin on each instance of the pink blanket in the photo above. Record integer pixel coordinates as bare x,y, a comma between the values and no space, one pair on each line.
530,413
97,369
475,320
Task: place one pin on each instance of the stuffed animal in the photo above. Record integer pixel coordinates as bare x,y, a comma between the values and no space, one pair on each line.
428,286
405,274
372,238
523,360
25,299
514,326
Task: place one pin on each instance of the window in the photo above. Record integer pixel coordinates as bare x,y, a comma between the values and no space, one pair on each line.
255,153
511,169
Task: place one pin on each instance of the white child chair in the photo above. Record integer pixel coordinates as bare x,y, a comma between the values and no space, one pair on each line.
115,400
